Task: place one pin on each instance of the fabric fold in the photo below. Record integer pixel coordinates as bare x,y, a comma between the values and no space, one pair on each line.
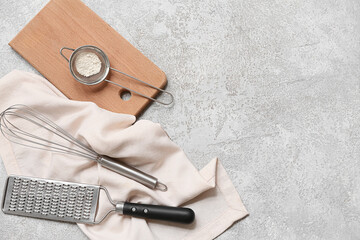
142,144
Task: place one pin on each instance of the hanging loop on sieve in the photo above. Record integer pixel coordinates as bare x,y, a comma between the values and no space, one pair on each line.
71,49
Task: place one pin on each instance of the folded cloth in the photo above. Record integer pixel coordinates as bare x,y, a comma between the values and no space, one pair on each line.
143,144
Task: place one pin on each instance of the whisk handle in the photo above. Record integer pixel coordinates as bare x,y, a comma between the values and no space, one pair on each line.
129,172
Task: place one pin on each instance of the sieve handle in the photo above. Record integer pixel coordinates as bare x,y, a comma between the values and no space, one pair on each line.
165,213
61,52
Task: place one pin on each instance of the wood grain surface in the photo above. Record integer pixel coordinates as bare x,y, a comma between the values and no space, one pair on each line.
72,24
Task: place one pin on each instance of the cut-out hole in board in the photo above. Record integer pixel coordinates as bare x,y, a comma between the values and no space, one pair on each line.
125,95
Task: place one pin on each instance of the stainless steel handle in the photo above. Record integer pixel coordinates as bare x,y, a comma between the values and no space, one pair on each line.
132,173
61,52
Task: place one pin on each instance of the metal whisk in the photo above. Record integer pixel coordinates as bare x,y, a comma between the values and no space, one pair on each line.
16,119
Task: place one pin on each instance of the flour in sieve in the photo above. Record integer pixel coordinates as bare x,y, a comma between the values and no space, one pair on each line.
88,64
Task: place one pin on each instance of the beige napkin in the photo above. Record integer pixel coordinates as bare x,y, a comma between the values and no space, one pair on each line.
143,144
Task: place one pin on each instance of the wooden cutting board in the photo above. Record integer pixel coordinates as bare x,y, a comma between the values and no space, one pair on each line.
71,23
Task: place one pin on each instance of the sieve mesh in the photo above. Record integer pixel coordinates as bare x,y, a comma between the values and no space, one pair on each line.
96,78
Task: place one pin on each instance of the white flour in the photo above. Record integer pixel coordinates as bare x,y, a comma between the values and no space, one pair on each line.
88,64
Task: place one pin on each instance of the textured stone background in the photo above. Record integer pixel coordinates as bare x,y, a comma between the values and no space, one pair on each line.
270,87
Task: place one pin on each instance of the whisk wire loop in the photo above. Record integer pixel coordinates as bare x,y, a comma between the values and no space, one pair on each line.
13,133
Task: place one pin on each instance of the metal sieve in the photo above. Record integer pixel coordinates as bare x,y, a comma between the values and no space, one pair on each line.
104,71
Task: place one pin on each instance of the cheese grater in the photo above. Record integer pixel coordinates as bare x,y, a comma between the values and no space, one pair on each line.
75,202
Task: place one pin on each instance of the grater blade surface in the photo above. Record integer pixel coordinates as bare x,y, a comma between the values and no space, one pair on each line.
50,199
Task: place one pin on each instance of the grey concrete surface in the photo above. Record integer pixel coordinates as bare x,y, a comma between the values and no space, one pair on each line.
270,87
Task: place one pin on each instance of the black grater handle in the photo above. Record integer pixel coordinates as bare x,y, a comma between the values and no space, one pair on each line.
173,214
